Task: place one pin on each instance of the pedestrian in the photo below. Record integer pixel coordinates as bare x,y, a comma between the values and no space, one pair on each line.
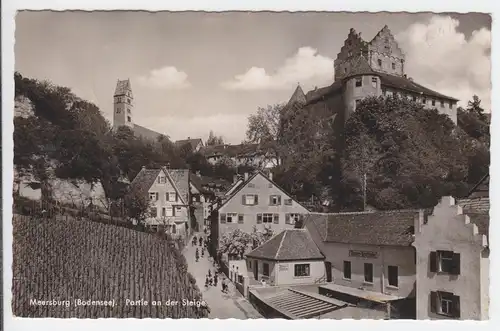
206,282
201,240
197,254
205,230
194,241
223,285
209,273
210,281
215,279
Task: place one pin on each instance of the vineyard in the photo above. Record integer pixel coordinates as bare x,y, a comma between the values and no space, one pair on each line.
63,260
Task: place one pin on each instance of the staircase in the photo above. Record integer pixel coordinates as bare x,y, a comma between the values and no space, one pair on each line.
300,305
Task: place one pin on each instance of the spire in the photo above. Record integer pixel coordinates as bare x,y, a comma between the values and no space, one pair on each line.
298,96
122,86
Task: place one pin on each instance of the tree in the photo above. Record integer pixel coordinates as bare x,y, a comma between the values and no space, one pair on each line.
214,140
234,243
137,206
264,129
260,237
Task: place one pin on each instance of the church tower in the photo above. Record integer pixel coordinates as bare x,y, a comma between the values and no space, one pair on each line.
123,105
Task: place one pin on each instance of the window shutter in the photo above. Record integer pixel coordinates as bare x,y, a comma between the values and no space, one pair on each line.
223,218
157,196
166,196
240,218
279,199
456,306
276,218
173,211
270,200
455,269
176,197
433,261
243,199
433,298
287,218
256,199
259,218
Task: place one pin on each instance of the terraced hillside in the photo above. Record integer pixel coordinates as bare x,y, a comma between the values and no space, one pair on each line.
58,262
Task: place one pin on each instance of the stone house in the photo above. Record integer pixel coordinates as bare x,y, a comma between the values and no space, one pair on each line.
169,196
368,256
195,144
453,262
257,202
289,258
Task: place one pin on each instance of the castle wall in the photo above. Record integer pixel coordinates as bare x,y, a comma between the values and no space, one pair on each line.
385,54
370,86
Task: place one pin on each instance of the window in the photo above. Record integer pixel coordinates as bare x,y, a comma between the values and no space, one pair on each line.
265,269
288,202
161,180
387,48
433,102
424,101
128,110
359,81
393,66
302,270
357,103
292,218
450,104
345,70
231,217
163,212
445,303
445,262
153,196
393,276
414,98
267,218
240,218
153,212
154,228
275,200
251,185
171,196
374,81
169,211
250,199
347,269
442,103
379,61
368,273
129,119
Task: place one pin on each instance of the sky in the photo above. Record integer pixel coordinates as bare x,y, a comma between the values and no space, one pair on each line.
193,72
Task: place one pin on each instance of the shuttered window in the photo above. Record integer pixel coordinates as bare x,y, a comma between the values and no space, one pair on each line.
223,218
445,262
240,218
445,303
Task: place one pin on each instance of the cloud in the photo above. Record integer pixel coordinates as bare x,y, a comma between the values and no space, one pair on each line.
166,78
229,126
442,58
306,67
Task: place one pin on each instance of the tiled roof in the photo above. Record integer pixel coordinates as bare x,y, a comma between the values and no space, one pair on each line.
404,83
122,86
393,228
477,205
482,188
192,142
140,131
241,150
359,66
146,177
317,94
292,244
298,96
203,181
180,177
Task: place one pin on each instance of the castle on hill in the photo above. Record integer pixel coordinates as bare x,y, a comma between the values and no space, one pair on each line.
375,68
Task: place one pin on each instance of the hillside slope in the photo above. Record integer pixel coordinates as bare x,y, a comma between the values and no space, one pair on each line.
59,259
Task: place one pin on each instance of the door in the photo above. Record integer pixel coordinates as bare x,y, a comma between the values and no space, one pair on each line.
328,268
256,270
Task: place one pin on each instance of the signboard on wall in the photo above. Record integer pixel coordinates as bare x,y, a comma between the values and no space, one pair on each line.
363,254
283,267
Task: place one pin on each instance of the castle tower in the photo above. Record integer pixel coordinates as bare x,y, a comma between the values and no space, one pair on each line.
297,97
354,47
385,56
359,82
123,105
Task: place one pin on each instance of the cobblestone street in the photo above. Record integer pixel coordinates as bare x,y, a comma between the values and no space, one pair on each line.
222,305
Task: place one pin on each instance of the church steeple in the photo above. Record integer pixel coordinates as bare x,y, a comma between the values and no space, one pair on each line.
123,104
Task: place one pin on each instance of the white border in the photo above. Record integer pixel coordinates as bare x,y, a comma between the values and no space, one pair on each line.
8,25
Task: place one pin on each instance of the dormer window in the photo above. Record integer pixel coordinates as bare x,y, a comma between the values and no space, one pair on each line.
433,102
359,81
393,66
374,82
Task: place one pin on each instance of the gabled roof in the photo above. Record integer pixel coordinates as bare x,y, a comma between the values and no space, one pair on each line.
359,66
122,86
179,178
298,96
145,133
390,228
403,83
241,150
289,245
317,94
192,142
250,178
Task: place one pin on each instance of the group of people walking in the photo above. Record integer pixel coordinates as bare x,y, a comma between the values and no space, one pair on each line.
212,280
203,246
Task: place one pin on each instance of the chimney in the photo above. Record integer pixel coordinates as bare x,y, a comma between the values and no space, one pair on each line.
419,221
198,173
143,167
270,175
235,178
246,176
189,138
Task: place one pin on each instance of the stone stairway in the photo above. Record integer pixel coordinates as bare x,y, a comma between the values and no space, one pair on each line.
301,305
